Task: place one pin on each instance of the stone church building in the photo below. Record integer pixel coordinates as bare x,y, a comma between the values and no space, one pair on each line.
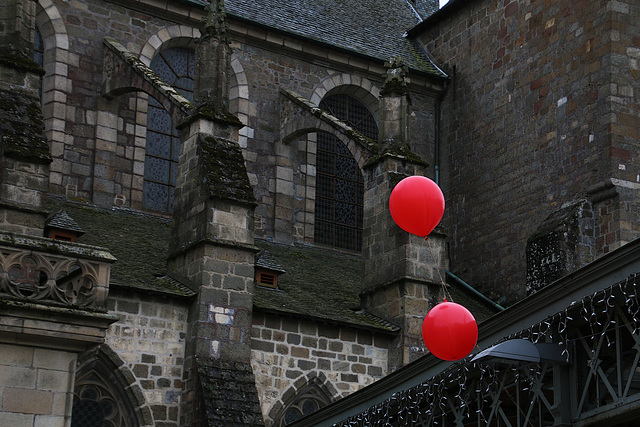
194,221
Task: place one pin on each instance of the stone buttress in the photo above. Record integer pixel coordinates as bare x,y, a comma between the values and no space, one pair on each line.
212,245
404,273
24,170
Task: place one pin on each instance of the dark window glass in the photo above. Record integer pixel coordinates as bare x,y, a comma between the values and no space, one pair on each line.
38,53
38,48
339,182
176,67
311,398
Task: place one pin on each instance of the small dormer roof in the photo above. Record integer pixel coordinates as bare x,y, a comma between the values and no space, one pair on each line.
266,260
62,221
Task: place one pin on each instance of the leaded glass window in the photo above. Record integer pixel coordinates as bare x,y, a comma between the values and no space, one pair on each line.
38,48
311,398
100,398
352,112
339,181
176,67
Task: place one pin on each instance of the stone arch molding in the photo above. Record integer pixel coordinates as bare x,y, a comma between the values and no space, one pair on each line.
300,116
358,87
103,368
313,379
55,83
185,36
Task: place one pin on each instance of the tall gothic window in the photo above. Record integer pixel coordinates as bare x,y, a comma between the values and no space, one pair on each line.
176,67
339,182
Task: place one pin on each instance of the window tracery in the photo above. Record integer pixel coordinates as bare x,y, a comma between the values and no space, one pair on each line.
100,399
339,184
311,398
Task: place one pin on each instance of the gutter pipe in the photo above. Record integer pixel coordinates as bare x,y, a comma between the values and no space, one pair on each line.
473,290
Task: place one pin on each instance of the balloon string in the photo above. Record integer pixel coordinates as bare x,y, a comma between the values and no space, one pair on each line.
446,293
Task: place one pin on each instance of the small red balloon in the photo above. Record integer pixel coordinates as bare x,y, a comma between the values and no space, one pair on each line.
417,205
450,331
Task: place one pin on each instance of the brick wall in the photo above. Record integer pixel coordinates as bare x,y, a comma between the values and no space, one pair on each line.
286,349
538,109
149,338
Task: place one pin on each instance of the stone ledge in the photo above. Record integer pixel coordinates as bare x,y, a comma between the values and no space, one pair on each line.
50,327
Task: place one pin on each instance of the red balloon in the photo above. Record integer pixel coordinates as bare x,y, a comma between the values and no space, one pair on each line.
450,331
417,205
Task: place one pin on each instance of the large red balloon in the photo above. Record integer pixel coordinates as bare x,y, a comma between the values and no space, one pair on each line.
450,331
417,205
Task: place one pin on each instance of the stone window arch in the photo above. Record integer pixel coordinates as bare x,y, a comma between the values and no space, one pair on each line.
102,396
302,401
339,181
176,66
156,196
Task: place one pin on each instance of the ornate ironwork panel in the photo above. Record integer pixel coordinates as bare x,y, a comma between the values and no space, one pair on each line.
601,384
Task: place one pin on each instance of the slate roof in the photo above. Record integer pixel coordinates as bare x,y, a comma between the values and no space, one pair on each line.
63,221
319,283
139,242
265,260
373,28
325,284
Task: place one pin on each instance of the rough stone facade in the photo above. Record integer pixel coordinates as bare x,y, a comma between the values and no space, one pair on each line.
286,350
541,106
532,133
149,338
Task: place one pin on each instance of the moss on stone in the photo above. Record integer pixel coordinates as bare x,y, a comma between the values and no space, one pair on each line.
22,127
402,152
218,115
15,60
226,172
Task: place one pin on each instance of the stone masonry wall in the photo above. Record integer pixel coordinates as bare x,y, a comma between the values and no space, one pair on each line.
37,386
149,338
99,145
539,107
285,349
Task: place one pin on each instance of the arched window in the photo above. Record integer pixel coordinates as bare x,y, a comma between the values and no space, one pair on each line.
339,182
176,67
100,398
308,400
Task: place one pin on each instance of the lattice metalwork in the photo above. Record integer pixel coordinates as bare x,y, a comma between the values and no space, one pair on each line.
601,383
175,66
339,181
339,195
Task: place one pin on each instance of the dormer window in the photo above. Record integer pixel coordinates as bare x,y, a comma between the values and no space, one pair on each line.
61,226
266,278
267,270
